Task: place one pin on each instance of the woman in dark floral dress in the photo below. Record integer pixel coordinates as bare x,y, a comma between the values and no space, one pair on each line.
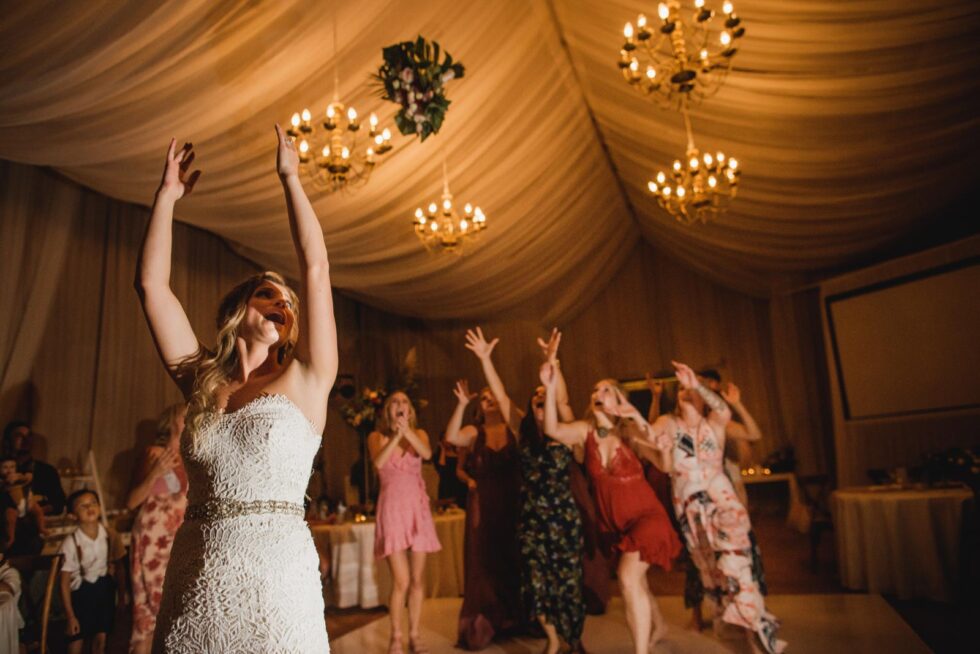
550,526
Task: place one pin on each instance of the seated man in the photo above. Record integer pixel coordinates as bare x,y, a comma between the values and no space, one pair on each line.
44,479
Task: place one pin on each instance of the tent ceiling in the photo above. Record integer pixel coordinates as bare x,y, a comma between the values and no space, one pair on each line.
852,121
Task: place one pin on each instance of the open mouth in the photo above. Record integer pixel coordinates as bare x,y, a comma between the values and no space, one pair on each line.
277,318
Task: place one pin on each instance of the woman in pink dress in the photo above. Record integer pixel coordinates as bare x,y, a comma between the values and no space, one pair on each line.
160,493
404,530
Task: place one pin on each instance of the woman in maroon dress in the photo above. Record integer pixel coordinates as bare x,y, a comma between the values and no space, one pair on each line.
491,467
631,518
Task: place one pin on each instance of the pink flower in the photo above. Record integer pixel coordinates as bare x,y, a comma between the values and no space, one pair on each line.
407,75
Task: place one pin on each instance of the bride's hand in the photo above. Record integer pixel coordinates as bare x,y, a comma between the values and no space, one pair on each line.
176,183
287,158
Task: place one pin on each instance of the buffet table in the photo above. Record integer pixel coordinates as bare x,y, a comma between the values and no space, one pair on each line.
357,579
900,541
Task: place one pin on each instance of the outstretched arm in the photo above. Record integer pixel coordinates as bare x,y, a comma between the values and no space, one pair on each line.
656,387
316,349
720,413
171,330
750,430
549,349
476,343
456,433
567,433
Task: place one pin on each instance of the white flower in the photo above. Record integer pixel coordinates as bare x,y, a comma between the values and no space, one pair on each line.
448,75
419,118
407,75
412,108
396,84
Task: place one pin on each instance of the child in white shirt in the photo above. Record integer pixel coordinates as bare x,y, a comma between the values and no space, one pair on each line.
88,589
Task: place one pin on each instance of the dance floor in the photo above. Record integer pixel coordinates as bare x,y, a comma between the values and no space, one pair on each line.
811,623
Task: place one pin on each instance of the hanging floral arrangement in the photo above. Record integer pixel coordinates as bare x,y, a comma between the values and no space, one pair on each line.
414,76
362,410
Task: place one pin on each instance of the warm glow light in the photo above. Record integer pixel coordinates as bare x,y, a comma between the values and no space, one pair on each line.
325,151
419,214
666,191
434,225
306,115
727,8
641,21
468,208
699,3
663,11
720,157
704,54
661,178
726,38
294,120
351,114
379,139
652,186
733,163
463,225
433,208
712,182
386,134
628,31
345,153
651,72
447,206
634,65
330,112
708,159
304,147
681,192
677,165
693,162
373,120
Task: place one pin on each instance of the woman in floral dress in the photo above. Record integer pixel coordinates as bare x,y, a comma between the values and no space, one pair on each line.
160,494
713,522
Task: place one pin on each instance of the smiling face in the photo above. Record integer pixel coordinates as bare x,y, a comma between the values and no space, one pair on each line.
269,315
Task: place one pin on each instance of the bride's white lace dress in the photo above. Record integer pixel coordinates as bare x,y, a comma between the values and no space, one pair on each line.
243,574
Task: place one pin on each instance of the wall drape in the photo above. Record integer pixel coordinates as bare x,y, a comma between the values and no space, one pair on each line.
96,380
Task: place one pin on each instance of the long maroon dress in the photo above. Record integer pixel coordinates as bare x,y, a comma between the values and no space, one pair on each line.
492,593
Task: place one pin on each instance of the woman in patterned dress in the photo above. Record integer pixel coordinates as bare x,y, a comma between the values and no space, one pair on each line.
160,495
713,522
550,526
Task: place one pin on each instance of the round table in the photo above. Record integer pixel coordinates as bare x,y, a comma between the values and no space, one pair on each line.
358,579
900,541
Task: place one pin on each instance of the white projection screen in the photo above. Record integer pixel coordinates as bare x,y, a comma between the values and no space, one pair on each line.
909,345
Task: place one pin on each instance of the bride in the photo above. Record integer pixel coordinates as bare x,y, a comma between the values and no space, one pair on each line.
243,574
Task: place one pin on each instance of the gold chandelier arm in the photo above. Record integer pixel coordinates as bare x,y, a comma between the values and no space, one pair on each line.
687,126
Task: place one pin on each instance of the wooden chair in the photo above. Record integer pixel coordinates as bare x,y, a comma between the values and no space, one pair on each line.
28,566
816,491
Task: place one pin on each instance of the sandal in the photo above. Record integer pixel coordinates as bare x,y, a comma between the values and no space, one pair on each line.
395,646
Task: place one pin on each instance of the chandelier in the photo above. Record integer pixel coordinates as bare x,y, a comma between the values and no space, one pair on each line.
699,187
441,228
331,153
683,59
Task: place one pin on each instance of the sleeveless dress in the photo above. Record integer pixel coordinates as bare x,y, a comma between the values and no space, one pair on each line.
243,574
631,517
154,528
718,534
404,519
492,586
550,534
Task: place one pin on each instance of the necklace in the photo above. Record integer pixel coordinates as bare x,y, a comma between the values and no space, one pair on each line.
602,432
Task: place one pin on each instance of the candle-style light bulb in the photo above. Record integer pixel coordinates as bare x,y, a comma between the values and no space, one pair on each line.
661,178
726,38
373,120
641,22
652,186
294,121
325,151
304,147
345,153
699,4
651,72
464,225
728,8
386,134
351,114
306,115
681,192
447,205
468,209
419,215
433,208
628,31
663,11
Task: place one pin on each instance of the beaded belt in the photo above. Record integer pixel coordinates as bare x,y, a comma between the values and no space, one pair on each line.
222,509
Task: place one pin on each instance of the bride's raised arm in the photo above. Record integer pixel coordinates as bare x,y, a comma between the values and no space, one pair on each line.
171,330
316,348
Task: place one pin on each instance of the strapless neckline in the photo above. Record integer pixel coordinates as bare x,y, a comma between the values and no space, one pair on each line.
269,399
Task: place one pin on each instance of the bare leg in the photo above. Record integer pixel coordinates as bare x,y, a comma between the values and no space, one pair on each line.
697,618
658,623
142,647
554,642
398,562
75,647
416,595
631,572
98,644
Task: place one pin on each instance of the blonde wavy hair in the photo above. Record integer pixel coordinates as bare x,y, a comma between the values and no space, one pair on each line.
383,424
211,370
166,420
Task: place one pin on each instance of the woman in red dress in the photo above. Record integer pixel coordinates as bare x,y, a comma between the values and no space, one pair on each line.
631,518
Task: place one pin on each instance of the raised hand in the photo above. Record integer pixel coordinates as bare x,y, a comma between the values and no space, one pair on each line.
656,386
164,462
731,394
624,408
549,348
401,423
685,376
287,158
547,374
462,392
176,182
476,342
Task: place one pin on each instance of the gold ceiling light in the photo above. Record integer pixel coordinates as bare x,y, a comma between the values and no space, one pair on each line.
684,55
441,228
699,187
332,151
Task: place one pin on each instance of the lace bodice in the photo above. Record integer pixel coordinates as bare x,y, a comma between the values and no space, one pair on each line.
262,451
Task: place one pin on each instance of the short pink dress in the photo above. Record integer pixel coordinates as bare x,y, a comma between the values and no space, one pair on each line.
404,519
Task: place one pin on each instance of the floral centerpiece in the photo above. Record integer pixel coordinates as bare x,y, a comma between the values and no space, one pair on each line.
413,76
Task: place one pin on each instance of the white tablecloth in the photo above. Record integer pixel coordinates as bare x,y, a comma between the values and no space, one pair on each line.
902,542
356,579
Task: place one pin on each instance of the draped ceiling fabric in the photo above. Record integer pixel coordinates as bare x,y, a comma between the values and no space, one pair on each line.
852,122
